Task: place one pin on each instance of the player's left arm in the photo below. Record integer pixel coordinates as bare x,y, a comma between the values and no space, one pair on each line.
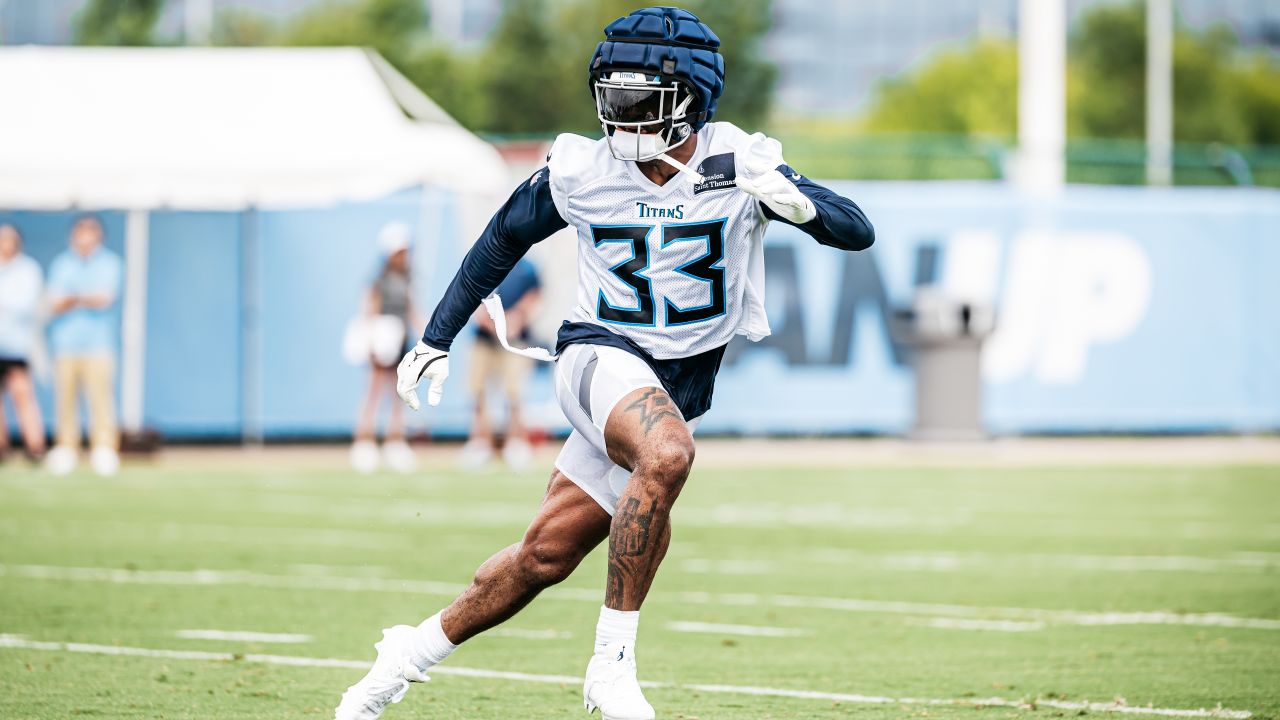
838,221
528,217
827,216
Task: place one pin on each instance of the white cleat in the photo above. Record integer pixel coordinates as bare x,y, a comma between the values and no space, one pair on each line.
386,682
611,685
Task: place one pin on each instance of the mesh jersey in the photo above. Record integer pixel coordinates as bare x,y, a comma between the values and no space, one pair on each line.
678,269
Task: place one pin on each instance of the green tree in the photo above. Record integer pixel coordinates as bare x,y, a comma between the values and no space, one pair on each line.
973,91
1107,75
531,74
1108,69
579,27
452,80
237,27
1221,93
519,78
749,77
392,27
118,22
1257,94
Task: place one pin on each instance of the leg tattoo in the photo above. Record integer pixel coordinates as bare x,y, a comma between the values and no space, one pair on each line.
652,407
631,554
629,533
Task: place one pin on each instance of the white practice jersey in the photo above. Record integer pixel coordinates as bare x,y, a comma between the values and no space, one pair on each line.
678,269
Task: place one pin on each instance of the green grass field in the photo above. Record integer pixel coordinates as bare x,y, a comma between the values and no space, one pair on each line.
889,592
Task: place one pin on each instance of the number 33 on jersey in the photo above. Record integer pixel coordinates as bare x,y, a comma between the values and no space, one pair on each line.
677,268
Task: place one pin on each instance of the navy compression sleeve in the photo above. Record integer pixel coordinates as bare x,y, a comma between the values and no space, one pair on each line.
840,223
528,217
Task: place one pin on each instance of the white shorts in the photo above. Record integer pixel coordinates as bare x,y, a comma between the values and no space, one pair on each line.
590,380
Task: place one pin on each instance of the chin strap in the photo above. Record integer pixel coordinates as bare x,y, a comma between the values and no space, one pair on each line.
694,176
493,305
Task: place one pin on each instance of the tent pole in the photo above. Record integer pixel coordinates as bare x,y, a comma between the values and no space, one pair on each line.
251,432
133,351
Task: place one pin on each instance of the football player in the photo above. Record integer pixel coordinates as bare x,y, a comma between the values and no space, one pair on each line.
670,211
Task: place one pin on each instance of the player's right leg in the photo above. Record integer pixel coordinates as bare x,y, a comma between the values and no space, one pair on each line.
631,451
568,525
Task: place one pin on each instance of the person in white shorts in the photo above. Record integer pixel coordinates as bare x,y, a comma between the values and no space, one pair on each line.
590,382
670,211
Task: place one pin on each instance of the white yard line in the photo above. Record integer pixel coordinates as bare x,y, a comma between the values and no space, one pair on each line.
1063,617
318,570
954,561
209,533
996,625
244,636
20,642
728,567
428,587
746,630
230,577
776,515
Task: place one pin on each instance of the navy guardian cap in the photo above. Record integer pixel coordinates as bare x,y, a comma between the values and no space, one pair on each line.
655,78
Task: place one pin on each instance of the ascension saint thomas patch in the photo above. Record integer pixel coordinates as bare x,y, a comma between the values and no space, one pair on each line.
717,172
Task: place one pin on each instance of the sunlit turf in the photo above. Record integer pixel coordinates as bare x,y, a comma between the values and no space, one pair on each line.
320,553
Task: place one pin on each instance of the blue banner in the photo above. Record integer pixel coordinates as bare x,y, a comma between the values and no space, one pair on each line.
1117,310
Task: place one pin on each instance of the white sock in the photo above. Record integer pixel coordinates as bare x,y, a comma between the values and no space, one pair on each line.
616,626
430,645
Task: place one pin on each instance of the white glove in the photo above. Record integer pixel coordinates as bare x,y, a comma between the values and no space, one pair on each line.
781,196
423,361
759,176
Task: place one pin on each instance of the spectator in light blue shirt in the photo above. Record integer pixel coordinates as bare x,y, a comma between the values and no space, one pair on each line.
20,288
84,286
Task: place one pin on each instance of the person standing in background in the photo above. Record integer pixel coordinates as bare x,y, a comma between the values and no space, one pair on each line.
388,314
20,289
520,293
84,286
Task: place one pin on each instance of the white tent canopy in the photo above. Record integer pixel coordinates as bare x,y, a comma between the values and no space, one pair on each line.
222,129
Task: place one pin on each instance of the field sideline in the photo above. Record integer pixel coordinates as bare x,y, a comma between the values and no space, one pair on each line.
807,579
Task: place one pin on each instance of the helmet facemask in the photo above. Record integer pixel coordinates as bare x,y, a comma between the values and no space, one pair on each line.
642,117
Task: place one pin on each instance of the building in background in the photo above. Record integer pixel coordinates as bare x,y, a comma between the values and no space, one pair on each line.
830,55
